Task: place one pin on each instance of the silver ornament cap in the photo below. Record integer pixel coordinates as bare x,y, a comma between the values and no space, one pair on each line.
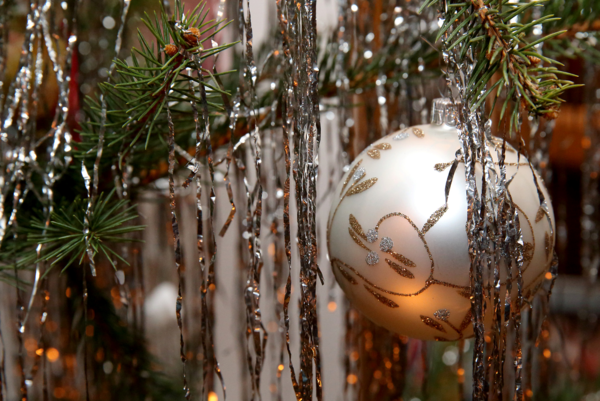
443,112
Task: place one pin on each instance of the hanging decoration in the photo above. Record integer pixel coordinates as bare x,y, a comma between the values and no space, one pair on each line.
167,122
396,234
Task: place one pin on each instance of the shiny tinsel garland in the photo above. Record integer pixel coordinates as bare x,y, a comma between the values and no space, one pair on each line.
382,38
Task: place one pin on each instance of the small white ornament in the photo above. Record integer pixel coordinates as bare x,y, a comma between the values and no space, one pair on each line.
415,281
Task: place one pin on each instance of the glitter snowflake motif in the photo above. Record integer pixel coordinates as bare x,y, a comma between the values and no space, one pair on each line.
386,244
372,258
442,314
372,235
358,174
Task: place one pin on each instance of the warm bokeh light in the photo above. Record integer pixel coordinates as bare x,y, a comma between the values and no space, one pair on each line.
212,396
52,354
352,379
332,306
59,392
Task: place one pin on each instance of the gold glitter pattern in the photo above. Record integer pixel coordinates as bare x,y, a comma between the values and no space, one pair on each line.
383,146
418,132
442,166
528,252
356,239
357,227
433,324
374,154
401,270
440,339
539,215
465,293
346,275
361,187
386,301
434,218
403,259
350,175
548,244
466,321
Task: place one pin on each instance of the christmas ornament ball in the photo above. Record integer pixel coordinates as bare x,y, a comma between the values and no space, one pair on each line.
400,253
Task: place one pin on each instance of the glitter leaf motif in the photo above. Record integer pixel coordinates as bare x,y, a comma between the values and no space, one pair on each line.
400,136
346,275
442,166
440,339
372,235
387,302
383,146
548,244
350,175
466,321
357,227
418,132
539,215
374,153
528,252
401,270
386,244
356,239
363,186
442,314
403,259
434,218
433,324
372,258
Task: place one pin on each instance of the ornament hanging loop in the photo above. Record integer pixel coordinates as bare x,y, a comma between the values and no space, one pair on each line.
444,112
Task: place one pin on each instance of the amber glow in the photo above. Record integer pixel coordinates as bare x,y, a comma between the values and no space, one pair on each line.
52,354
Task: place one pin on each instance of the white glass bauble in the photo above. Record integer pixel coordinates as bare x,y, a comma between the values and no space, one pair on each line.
399,255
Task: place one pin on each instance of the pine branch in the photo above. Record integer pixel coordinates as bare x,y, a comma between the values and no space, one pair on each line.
64,239
135,116
501,49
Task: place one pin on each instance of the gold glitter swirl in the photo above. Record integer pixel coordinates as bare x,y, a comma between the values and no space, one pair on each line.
350,175
433,324
418,132
357,227
401,270
434,218
403,259
374,153
539,215
386,301
356,239
361,187
383,146
465,292
346,275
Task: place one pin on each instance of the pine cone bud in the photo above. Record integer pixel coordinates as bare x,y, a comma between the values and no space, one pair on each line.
192,36
171,50
534,60
552,115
